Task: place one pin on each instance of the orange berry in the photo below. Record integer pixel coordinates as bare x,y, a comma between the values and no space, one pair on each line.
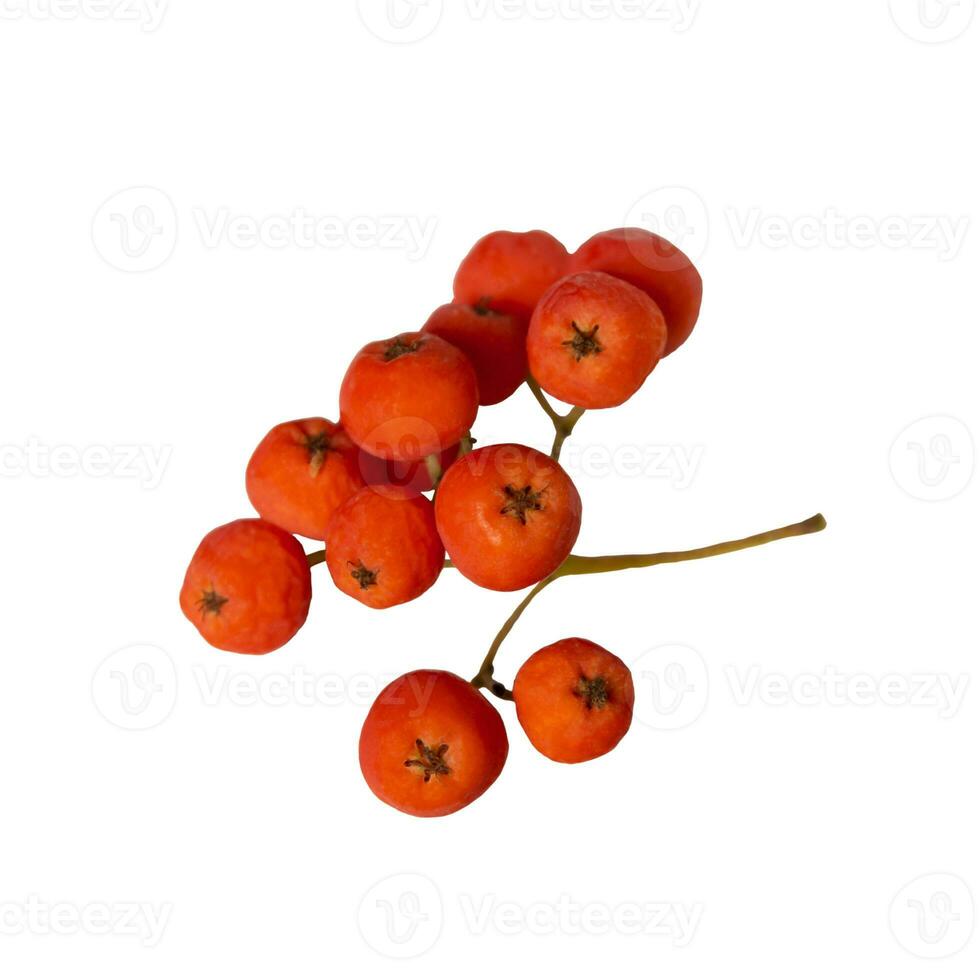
652,264
408,397
383,548
509,270
508,516
574,700
247,588
494,343
301,473
594,339
431,744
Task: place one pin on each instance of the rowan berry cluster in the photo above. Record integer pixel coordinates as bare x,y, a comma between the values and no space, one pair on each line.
397,485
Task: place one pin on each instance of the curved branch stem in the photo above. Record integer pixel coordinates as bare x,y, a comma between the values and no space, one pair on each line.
542,401
564,424
485,677
582,565
466,445
563,429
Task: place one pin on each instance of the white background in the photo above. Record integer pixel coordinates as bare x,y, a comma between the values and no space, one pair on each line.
819,160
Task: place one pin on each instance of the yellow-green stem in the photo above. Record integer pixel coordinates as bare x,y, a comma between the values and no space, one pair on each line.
582,565
434,468
563,430
564,424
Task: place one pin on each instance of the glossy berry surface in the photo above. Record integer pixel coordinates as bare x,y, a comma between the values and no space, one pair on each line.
594,339
383,548
494,343
508,271
247,588
653,264
508,516
408,397
431,744
301,472
574,700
